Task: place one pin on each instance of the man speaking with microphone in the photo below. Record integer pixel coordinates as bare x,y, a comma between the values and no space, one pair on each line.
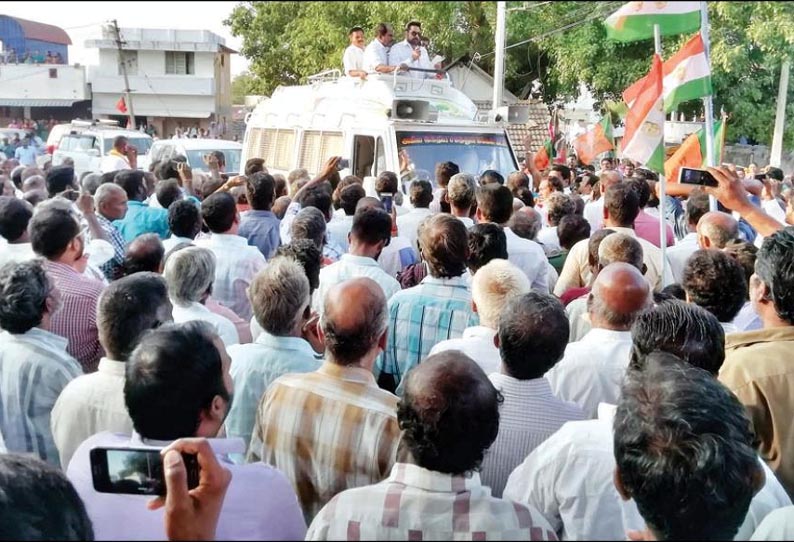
410,52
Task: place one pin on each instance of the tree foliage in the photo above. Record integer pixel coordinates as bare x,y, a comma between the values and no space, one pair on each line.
562,44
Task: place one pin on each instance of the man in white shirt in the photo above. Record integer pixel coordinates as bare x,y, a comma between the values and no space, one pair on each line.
121,156
236,262
410,52
370,233
594,210
421,194
492,287
178,385
353,58
189,274
376,55
495,204
697,205
570,477
715,281
557,206
461,196
592,369
14,217
93,403
340,225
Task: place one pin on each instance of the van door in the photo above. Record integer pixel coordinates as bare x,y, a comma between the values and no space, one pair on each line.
370,155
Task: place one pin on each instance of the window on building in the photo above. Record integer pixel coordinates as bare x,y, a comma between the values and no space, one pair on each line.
53,73
130,59
180,63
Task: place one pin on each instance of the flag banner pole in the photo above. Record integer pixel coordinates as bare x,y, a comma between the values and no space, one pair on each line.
708,102
657,38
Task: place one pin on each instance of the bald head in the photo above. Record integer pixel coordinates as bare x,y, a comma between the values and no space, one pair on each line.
144,253
354,322
34,182
716,229
609,178
526,223
619,294
449,413
621,248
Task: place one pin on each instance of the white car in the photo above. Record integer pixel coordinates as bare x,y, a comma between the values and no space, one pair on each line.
194,150
87,147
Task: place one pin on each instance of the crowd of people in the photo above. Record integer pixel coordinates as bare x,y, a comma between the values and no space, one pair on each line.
11,56
489,358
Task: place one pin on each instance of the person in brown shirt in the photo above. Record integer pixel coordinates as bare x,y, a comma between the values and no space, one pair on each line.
759,365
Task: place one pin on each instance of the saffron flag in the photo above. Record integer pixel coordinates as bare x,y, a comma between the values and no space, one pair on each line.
687,75
544,156
643,140
635,20
592,143
121,105
692,152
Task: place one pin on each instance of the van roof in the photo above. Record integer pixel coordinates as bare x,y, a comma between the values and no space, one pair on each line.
202,144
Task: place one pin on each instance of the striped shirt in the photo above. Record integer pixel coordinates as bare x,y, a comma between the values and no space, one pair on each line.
348,267
433,311
34,368
419,504
528,416
76,321
112,267
327,431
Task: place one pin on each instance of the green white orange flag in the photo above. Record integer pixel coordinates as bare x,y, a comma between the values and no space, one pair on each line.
589,145
635,20
692,152
643,140
544,156
687,76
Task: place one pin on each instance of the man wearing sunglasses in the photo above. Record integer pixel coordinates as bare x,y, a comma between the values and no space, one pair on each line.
410,52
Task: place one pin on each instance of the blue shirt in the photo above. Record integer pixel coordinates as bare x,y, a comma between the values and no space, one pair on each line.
261,228
140,219
26,155
254,367
433,311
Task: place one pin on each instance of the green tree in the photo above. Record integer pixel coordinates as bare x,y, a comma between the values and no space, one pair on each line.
243,85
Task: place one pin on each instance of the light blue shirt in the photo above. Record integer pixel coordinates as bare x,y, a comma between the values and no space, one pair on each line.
261,228
140,219
26,155
34,369
254,367
420,317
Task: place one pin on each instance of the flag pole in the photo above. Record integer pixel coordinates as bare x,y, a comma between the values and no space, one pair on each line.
708,105
657,40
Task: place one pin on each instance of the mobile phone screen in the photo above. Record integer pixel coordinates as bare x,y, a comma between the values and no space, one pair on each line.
388,201
134,471
696,176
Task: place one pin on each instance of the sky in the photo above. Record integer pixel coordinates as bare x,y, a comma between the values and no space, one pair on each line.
83,20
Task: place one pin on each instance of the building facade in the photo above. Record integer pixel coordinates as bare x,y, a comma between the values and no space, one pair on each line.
179,79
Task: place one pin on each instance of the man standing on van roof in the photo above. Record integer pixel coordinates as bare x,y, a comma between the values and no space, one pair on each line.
376,55
121,156
410,52
354,54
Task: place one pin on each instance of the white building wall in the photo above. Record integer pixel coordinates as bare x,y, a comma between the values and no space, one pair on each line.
33,82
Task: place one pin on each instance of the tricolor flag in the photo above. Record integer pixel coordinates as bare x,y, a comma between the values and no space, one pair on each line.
687,75
692,152
643,140
635,20
592,143
545,155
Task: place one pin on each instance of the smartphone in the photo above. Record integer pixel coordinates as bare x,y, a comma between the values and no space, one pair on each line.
388,201
344,163
135,471
688,175
760,177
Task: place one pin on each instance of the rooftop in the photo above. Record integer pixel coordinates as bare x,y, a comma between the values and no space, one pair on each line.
41,32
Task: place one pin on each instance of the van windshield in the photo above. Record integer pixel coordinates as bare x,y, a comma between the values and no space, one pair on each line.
195,159
142,144
473,153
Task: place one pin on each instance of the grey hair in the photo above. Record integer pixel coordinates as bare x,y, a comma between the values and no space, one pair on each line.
309,224
526,223
104,191
189,273
461,190
620,247
91,183
559,205
279,295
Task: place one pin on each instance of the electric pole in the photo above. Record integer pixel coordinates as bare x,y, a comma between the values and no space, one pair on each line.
780,118
123,66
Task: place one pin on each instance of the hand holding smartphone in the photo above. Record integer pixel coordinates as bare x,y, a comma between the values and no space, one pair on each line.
135,471
388,201
701,177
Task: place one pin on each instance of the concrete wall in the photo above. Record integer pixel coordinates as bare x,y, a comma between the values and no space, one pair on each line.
744,154
33,81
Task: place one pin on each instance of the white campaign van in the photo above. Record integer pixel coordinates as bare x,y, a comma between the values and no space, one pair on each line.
88,142
377,124
194,150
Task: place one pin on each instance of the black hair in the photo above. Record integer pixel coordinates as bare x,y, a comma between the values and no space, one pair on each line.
496,202
774,173
167,192
451,417
318,197
563,170
59,179
623,204
684,451
349,197
24,289
572,229
219,211
444,242
444,172
490,176
127,309
167,169
387,182
640,186
144,253
697,205
371,226
15,215
260,189
39,503
682,329
533,334
486,241
173,375
254,165
715,281
132,181
421,194
109,177
413,23
51,231
355,29
184,218
775,266
306,253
